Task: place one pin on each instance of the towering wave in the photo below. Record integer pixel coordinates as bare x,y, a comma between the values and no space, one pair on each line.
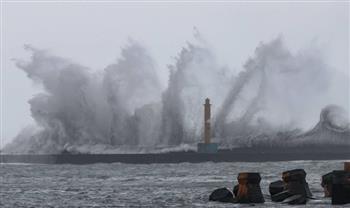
81,109
332,128
132,87
275,100
194,77
278,91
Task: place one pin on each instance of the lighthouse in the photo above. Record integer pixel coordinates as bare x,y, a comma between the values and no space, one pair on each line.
207,146
207,121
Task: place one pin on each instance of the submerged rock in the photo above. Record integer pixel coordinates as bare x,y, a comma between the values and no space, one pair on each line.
221,195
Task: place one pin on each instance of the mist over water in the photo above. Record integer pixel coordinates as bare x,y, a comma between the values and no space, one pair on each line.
276,99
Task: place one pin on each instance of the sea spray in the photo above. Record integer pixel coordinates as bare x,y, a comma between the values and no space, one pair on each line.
280,92
195,76
130,84
274,100
79,107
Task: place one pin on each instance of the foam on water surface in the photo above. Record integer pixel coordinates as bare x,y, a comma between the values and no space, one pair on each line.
154,185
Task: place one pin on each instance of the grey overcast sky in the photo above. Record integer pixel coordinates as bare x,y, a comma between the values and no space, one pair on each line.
91,33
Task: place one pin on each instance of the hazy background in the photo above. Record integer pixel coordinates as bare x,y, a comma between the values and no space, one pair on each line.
92,33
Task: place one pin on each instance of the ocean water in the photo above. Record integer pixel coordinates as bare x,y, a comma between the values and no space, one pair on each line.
153,185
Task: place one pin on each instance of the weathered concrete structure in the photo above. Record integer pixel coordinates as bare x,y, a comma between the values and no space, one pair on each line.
327,184
276,187
336,184
340,187
249,190
295,188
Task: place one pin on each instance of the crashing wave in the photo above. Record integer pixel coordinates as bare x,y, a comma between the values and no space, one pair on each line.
276,96
332,129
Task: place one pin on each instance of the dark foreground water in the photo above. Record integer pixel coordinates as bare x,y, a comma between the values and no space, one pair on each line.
155,185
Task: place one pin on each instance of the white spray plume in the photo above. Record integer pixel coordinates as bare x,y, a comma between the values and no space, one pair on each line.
279,91
194,77
275,99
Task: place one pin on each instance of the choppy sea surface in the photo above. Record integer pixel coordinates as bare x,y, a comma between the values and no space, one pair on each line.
154,185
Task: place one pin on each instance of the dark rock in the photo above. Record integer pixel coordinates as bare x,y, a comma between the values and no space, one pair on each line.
276,187
308,191
249,190
301,188
221,195
327,184
235,189
295,199
280,196
340,187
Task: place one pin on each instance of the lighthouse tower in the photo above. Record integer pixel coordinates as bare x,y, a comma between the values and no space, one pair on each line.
207,146
207,121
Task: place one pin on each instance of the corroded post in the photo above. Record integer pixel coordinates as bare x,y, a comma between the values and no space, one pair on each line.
207,121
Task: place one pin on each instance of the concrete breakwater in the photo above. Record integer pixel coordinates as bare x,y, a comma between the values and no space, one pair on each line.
292,189
236,155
